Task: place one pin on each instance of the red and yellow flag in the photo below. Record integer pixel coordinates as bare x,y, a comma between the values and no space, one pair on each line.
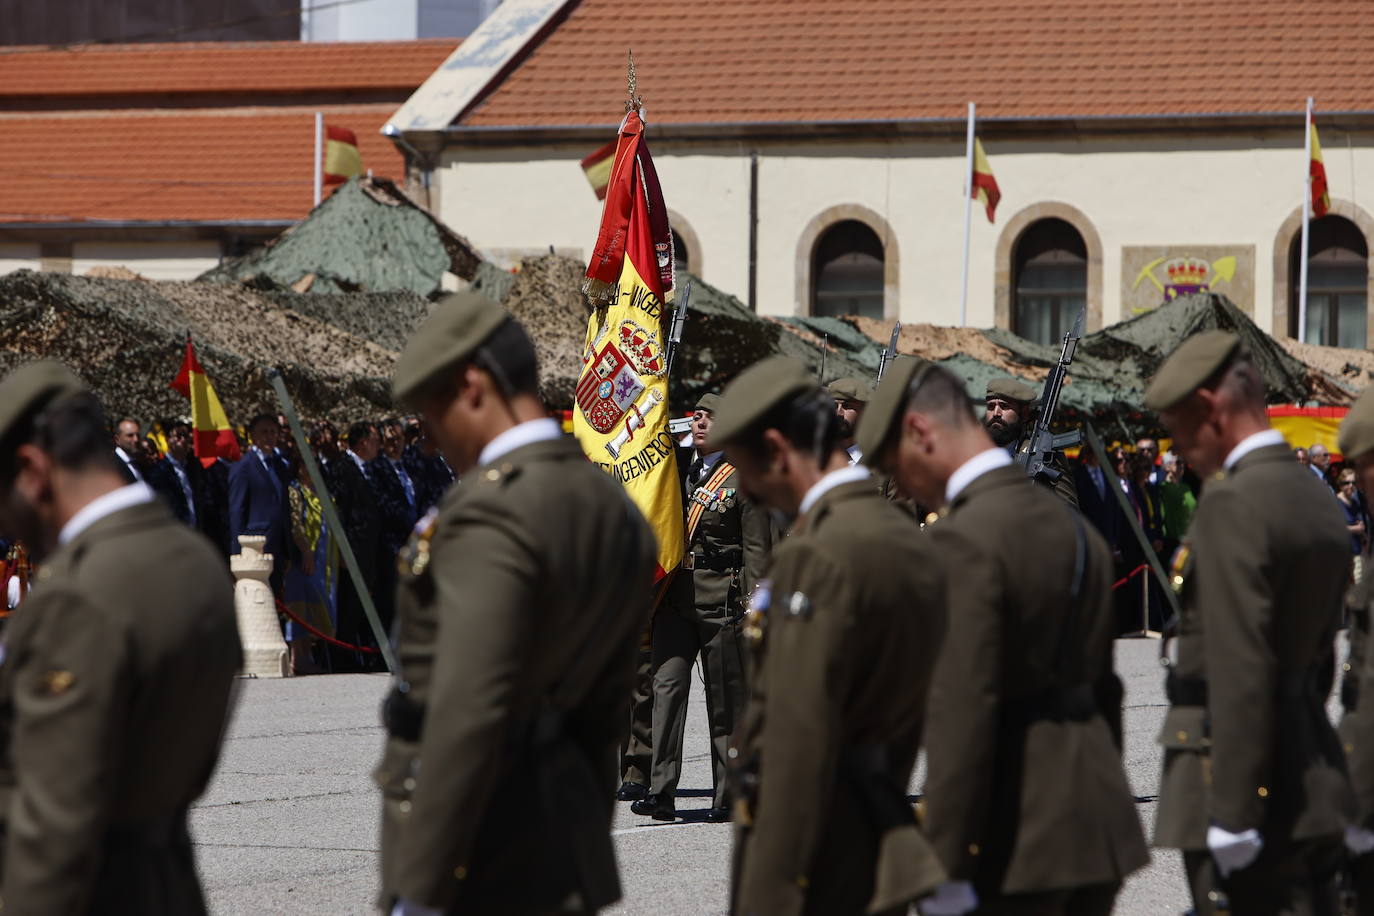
214,437
984,186
1316,170
597,168
621,417
341,157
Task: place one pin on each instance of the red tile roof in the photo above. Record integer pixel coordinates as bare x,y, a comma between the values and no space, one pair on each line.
743,61
203,67
197,165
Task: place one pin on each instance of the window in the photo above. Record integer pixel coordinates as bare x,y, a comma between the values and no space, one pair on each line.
847,271
682,257
1337,284
1050,281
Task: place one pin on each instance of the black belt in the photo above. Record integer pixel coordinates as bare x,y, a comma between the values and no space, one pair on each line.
1059,704
721,562
1185,691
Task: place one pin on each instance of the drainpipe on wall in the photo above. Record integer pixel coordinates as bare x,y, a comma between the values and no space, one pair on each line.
424,163
753,230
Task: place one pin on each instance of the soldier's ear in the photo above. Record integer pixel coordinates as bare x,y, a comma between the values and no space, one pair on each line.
33,470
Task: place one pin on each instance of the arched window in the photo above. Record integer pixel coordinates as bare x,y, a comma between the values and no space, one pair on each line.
1049,280
682,255
1337,283
847,271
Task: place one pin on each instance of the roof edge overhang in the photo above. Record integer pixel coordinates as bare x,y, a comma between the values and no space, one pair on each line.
148,224
935,128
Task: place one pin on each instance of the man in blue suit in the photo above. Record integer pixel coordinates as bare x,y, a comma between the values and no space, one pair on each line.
257,494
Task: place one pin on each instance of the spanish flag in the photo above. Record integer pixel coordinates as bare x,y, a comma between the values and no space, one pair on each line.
214,437
621,417
597,168
984,186
1321,194
341,157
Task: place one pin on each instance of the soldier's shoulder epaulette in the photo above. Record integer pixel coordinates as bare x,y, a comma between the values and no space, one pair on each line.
500,475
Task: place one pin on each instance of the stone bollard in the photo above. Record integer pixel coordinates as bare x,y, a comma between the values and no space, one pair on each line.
264,650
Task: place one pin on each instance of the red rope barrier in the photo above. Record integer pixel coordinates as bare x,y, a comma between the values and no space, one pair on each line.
282,609
1126,578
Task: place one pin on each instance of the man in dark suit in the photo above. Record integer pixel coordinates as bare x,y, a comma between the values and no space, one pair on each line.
257,495
196,495
1096,500
427,468
361,514
398,499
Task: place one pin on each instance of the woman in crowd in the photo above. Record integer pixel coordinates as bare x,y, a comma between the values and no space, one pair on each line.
310,584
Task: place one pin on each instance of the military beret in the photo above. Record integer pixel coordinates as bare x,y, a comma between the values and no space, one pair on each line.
1195,361
755,392
31,388
850,389
1357,429
709,401
885,410
455,329
1012,390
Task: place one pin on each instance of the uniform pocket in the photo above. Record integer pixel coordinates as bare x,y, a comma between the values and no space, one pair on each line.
1185,729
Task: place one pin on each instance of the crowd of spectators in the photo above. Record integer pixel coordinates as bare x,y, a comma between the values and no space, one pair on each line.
382,476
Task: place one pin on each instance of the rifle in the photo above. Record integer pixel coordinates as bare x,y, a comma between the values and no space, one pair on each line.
890,352
825,351
678,425
1036,459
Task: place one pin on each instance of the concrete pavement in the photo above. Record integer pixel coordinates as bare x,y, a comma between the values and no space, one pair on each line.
289,824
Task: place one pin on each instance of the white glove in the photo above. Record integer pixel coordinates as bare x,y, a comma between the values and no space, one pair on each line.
1233,851
1359,840
953,898
406,908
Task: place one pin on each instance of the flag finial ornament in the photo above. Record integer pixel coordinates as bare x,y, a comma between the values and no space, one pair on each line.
634,102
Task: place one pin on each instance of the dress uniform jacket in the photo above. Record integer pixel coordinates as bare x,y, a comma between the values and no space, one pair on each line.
519,606
1247,741
851,623
1356,735
114,691
1025,789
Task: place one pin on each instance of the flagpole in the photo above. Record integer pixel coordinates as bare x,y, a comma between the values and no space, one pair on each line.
319,157
968,215
1306,218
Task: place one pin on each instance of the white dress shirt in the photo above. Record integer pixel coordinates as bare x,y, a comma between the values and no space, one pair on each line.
1252,442
531,431
986,460
829,482
133,494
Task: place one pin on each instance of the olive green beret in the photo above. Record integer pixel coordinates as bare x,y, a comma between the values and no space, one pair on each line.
709,401
756,391
1195,361
455,329
1357,429
885,410
1012,390
30,388
850,389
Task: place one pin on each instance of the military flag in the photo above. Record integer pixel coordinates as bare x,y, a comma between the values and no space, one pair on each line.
214,438
984,185
621,417
1316,170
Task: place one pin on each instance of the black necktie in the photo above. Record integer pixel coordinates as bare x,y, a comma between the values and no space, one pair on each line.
695,473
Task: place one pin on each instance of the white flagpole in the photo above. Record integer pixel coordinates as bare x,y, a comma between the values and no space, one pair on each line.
1306,218
319,157
968,215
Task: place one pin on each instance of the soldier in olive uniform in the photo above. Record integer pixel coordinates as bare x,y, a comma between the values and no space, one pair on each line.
1027,802
1009,421
520,600
116,673
851,396
846,633
1357,724
1253,771
728,540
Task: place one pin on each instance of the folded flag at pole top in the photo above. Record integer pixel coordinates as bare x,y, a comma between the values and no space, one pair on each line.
984,186
621,417
341,157
1321,194
214,438
597,168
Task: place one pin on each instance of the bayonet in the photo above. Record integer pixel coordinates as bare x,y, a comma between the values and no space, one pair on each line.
825,352
675,326
890,353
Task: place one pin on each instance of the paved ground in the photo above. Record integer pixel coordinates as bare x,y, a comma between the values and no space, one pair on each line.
290,823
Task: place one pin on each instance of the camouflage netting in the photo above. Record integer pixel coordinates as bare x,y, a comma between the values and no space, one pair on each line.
126,338
368,236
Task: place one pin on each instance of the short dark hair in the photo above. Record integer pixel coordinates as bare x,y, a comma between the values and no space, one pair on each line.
359,431
939,392
73,431
263,417
808,422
